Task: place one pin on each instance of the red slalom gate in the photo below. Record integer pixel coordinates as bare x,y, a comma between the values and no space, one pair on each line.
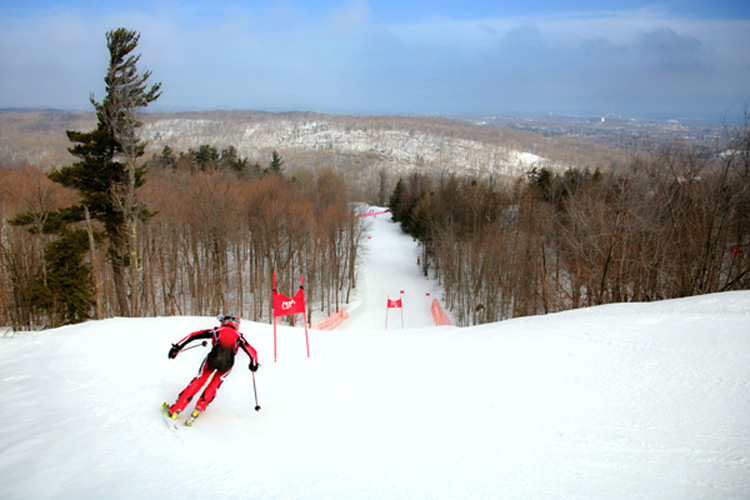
284,306
394,304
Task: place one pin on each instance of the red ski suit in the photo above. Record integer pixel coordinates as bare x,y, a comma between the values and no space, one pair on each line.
226,341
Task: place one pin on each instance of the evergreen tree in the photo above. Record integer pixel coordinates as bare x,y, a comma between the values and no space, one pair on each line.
394,204
206,156
229,158
167,157
98,177
127,95
66,290
107,174
276,163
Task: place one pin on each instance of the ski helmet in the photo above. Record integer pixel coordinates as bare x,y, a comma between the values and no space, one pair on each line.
228,319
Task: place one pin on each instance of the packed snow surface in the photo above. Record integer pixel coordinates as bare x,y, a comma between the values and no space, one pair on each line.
647,401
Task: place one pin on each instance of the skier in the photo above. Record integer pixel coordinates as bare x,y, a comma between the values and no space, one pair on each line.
226,341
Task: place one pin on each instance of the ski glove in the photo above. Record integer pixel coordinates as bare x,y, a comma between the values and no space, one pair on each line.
173,351
253,366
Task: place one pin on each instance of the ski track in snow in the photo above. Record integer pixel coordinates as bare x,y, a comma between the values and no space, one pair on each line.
390,267
648,401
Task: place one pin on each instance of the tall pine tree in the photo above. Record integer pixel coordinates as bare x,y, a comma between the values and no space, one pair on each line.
107,175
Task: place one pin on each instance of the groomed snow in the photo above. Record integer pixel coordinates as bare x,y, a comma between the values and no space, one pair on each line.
647,401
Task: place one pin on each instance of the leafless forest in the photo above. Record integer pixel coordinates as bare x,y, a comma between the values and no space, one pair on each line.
215,240
675,223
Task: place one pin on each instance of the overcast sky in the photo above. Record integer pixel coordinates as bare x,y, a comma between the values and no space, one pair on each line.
634,58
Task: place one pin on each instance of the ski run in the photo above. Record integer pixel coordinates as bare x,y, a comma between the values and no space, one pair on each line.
624,401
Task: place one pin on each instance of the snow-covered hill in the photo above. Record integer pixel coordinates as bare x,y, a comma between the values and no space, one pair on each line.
395,149
353,144
648,401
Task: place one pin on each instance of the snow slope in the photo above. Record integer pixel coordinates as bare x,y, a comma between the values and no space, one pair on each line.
390,268
647,401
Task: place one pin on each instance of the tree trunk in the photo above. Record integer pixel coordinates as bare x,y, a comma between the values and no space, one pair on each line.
94,267
132,212
118,268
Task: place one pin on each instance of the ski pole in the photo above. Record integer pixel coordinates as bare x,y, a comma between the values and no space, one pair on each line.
202,344
255,390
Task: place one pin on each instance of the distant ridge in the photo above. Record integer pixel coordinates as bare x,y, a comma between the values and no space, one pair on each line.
33,110
501,145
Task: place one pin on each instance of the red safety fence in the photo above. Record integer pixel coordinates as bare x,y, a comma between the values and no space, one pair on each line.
331,322
438,314
373,214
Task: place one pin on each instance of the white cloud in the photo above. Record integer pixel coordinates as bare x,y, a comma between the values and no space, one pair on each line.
347,58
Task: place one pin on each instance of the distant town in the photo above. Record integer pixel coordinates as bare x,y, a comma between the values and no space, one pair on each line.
617,131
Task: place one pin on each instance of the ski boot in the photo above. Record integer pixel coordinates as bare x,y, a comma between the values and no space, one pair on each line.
192,417
169,414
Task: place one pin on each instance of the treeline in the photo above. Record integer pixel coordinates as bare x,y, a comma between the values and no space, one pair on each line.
211,245
675,223
210,158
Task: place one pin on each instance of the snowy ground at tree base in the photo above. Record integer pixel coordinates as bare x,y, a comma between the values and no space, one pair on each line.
647,401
